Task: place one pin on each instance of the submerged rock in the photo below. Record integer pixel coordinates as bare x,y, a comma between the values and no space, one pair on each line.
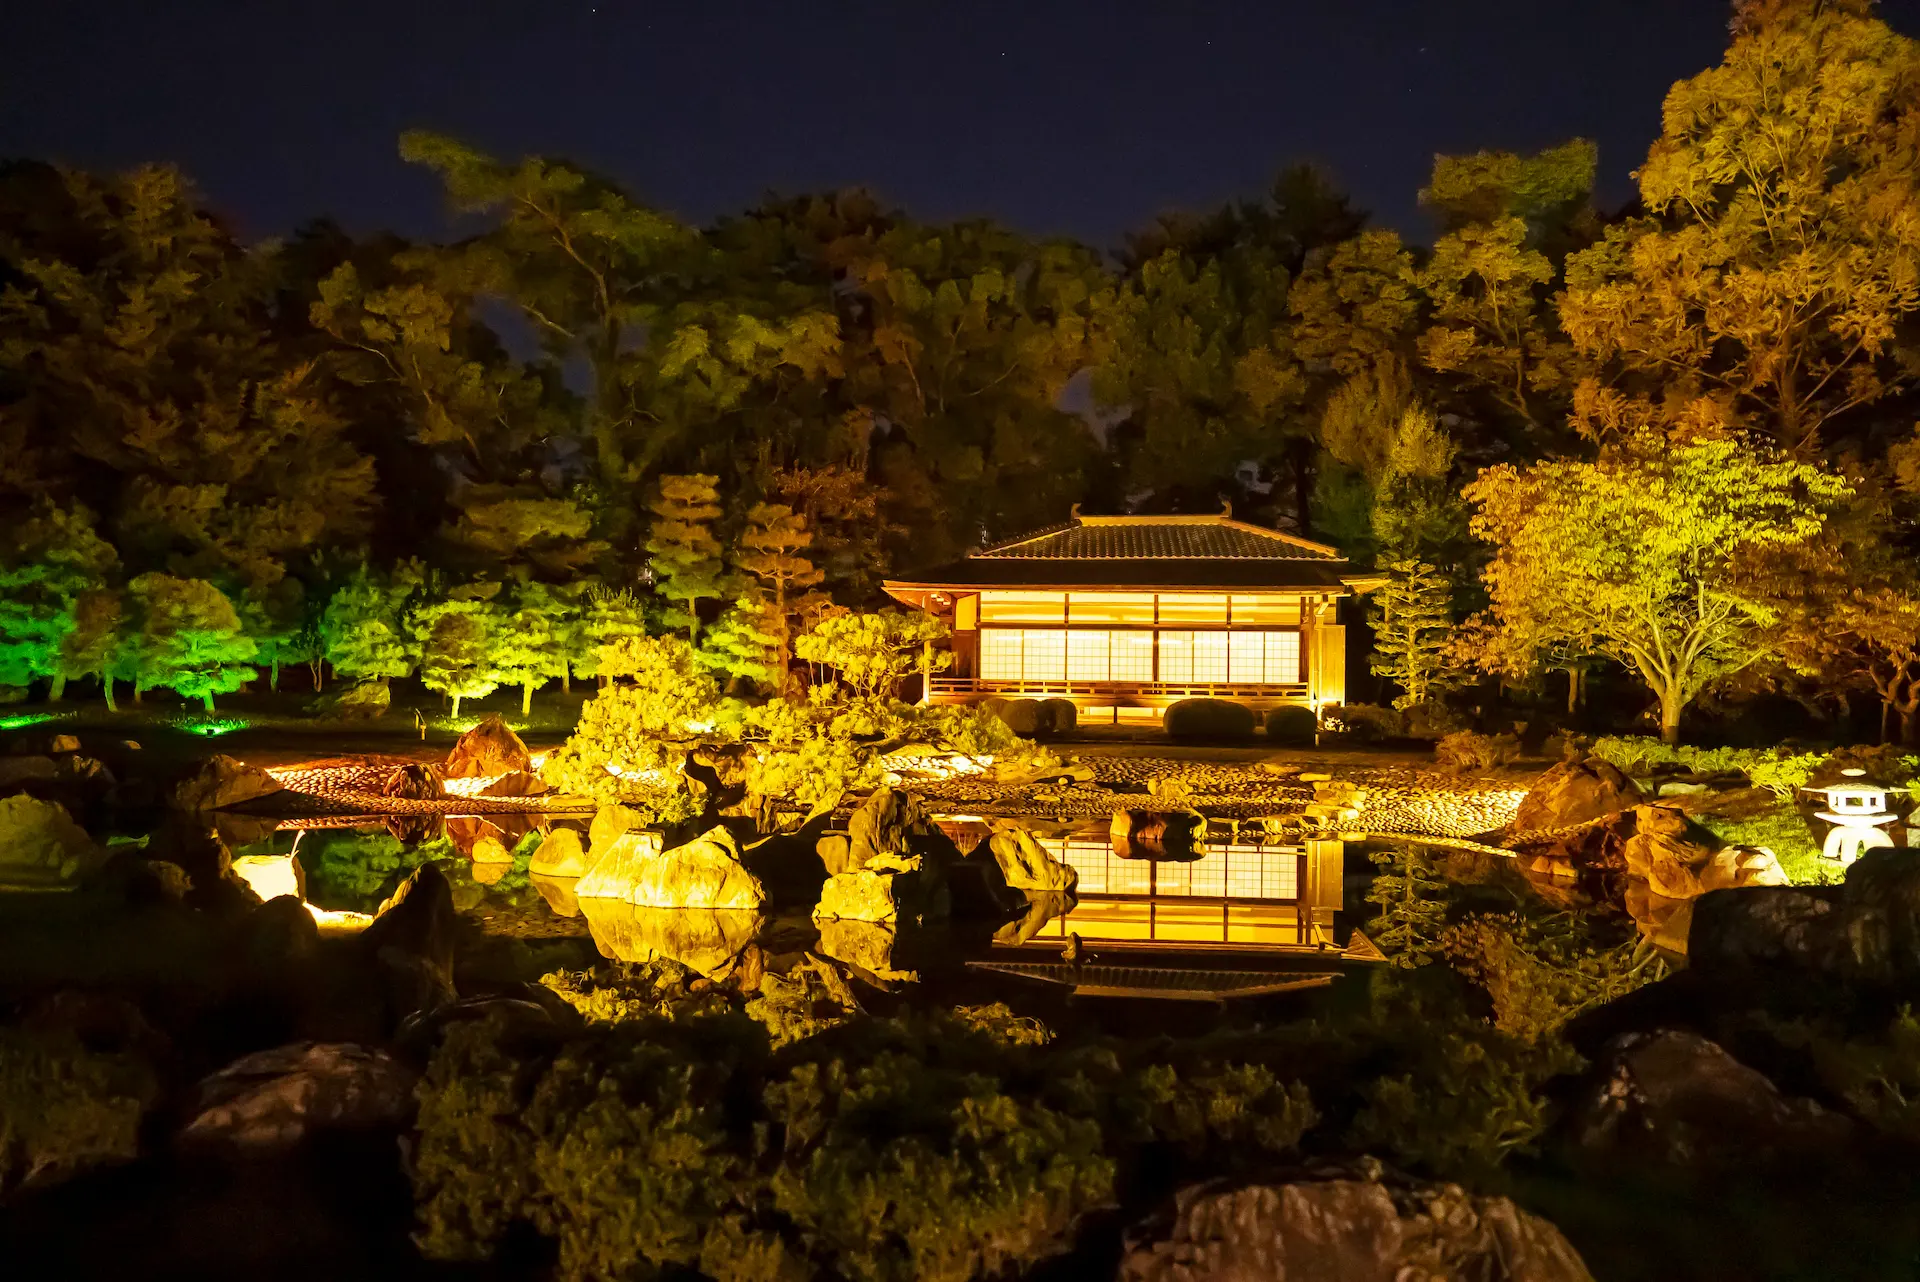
704,873
709,941
42,848
560,854
1677,1099
1347,1225
490,748
273,1100
1576,792
223,781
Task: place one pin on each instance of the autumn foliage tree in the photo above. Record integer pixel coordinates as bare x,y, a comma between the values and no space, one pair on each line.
1653,556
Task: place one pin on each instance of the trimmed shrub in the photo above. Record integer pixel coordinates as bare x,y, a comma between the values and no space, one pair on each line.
1062,715
1024,716
1209,719
1368,722
1292,724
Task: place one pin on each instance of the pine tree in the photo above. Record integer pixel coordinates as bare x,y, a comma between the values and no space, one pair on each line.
456,638
1412,620
362,631
47,563
686,555
531,648
772,549
188,638
744,643
611,616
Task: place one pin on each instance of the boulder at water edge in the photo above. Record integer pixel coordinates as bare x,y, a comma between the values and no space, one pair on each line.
1343,1225
617,859
560,854
866,944
704,873
223,781
887,889
609,824
1576,792
415,781
489,749
42,848
272,1100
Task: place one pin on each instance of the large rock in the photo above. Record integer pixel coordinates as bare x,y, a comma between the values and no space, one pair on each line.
223,781
519,783
271,1101
1576,792
1347,1225
368,701
15,771
412,938
1677,1099
1025,863
489,749
42,848
884,824
618,858
704,873
1866,930
611,823
560,854
711,942
271,876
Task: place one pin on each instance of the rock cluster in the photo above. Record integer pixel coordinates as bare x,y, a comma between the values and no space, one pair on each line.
1863,931
41,847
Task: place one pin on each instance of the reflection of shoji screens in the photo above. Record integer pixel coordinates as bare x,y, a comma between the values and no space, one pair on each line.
1236,871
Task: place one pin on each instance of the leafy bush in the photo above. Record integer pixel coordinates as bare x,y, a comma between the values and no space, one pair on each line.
64,1108
941,1146
1878,1077
1209,719
1777,770
1292,724
1472,1101
1464,750
1368,722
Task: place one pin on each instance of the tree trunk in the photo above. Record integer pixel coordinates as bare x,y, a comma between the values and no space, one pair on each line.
1670,705
566,678
106,687
318,666
207,700
58,688
273,675
456,707
526,699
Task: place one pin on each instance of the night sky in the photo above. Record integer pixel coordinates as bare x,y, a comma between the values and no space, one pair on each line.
1080,119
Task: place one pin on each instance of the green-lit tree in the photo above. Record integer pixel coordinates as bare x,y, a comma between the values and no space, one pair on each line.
685,554
48,563
611,615
530,643
363,631
456,637
1413,628
186,637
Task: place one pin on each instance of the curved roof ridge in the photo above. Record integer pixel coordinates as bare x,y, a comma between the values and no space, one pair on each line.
1214,536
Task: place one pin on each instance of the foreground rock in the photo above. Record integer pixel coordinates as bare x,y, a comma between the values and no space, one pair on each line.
42,848
273,1100
223,781
889,888
1348,1225
560,854
489,749
704,873
1866,930
1576,792
412,939
1677,1099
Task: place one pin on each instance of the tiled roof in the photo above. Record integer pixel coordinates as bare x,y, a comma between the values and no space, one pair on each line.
1160,538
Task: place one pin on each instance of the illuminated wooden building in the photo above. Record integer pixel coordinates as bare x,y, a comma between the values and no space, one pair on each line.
1134,613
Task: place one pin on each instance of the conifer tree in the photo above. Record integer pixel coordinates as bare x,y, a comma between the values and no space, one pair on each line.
47,563
773,549
531,648
745,643
685,553
456,638
1412,620
610,617
188,638
362,631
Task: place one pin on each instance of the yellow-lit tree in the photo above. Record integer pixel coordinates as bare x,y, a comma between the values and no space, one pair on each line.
1654,556
1781,250
773,549
686,555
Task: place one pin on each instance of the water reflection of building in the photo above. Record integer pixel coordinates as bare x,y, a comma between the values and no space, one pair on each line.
1240,918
